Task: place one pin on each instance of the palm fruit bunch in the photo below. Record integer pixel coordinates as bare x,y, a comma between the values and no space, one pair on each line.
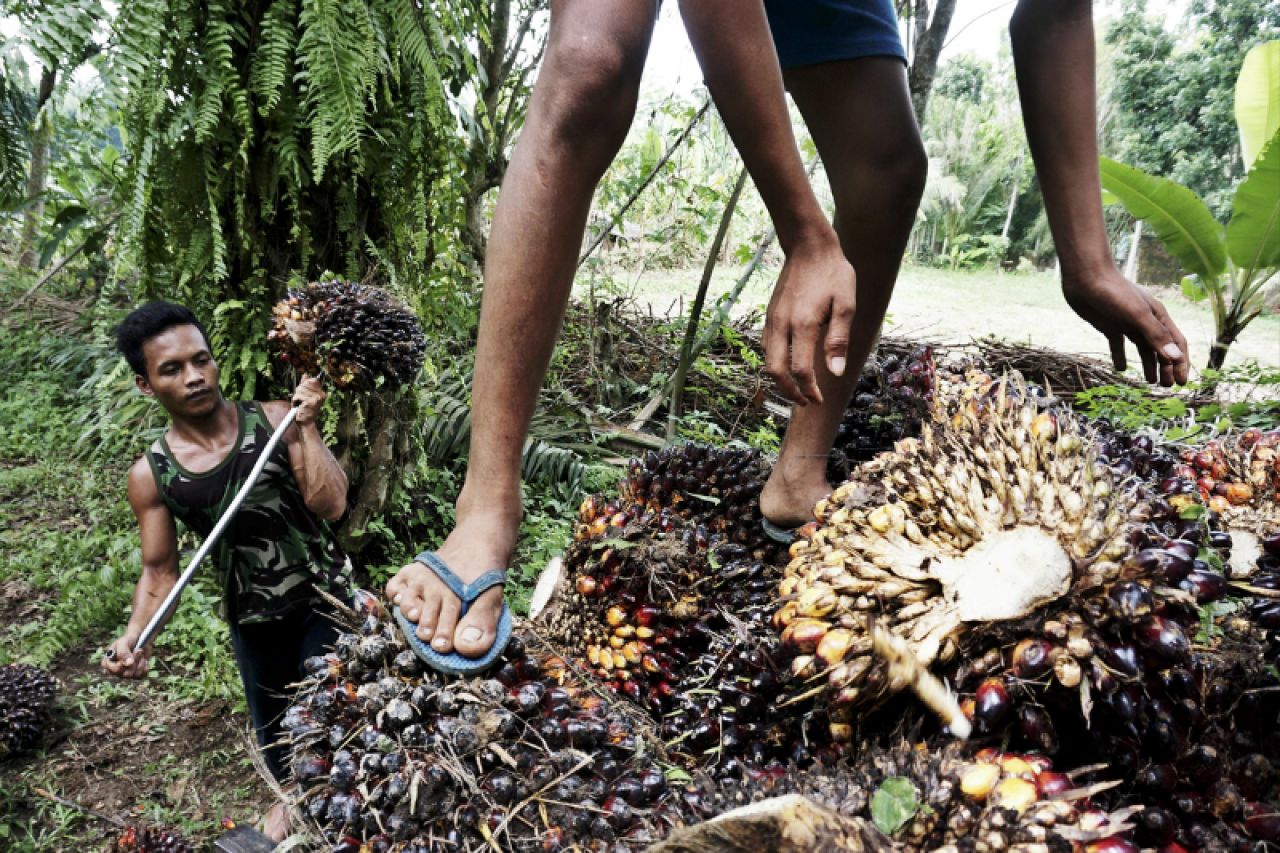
941,799
358,335
151,839
26,706
664,596
1000,508
389,756
889,403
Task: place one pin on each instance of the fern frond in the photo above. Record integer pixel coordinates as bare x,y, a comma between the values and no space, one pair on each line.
337,59
273,60
62,29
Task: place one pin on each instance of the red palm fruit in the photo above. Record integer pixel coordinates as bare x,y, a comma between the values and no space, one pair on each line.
992,704
1130,600
1183,548
1164,638
1263,824
1158,777
1206,586
1051,783
1037,727
1111,845
1032,658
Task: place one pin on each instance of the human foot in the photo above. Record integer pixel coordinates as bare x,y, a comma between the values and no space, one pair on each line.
480,542
787,501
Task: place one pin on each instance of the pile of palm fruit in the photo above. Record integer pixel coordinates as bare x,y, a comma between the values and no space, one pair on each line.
357,335
1082,600
26,707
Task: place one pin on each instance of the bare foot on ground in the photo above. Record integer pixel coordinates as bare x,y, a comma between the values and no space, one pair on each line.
788,501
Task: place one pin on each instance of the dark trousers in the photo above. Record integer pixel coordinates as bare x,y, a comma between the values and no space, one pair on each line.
270,656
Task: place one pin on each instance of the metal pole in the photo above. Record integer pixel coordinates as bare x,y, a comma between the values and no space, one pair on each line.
171,600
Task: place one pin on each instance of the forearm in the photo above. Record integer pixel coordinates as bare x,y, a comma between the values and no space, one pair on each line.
1053,53
735,50
155,583
320,477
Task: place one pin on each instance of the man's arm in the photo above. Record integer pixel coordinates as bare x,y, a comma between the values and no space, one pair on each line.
159,540
1053,53
320,478
817,285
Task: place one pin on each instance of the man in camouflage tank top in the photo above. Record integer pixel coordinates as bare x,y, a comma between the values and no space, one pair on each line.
276,553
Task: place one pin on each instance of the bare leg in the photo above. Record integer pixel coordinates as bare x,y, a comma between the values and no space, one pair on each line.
859,113
581,108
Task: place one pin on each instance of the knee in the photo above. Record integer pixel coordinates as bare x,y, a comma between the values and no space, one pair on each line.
592,87
895,172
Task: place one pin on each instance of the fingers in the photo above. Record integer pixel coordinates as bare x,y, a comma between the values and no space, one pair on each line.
1148,356
838,331
1117,352
126,663
804,348
777,340
1176,364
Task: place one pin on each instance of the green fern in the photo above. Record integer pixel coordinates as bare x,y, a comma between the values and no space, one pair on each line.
338,59
273,61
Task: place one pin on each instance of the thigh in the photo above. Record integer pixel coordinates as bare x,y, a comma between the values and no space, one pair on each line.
858,112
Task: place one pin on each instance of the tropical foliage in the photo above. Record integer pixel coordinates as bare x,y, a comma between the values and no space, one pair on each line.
1228,266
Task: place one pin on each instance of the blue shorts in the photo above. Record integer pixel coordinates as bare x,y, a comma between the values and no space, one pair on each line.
807,32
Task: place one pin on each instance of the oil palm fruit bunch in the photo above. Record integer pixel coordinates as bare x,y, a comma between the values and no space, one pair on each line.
664,595
151,839
1000,509
715,490
889,403
26,706
942,799
358,335
391,756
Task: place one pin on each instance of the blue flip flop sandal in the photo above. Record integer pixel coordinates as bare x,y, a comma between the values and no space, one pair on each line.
783,535
456,663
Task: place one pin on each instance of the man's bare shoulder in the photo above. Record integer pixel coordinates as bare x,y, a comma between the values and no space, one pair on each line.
143,489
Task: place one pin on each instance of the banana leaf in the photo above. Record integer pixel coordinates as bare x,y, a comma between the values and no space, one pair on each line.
1258,99
1253,235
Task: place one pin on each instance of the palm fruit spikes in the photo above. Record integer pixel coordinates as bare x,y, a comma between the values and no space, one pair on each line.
357,335
998,509
26,706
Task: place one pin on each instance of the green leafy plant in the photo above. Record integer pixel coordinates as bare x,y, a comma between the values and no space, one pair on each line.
1229,266
894,804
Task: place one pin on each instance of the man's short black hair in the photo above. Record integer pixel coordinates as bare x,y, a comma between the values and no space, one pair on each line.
147,321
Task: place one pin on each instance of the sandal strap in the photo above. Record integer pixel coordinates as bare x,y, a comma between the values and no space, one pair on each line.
466,592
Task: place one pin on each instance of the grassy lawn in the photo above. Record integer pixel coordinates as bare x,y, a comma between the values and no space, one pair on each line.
952,307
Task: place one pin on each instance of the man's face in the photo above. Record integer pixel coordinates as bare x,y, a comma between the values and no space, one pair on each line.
181,372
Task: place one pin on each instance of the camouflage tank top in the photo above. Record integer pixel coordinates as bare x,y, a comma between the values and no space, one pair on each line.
275,553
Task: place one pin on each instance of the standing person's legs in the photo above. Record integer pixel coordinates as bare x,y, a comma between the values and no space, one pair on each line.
581,108
859,114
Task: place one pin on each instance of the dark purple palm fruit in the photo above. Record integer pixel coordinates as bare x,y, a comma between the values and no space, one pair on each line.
26,707
889,403
358,335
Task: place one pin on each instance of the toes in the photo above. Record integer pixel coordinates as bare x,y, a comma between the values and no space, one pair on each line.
430,618
445,625
476,632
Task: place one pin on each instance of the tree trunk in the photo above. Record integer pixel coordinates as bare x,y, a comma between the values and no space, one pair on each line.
371,497
1013,199
38,172
1222,343
1135,252
924,63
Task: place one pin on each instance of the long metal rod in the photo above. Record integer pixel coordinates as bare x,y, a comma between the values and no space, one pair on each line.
171,600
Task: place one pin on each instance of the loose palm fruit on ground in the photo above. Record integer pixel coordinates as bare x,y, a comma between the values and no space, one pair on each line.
151,840
26,706
358,335
392,756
